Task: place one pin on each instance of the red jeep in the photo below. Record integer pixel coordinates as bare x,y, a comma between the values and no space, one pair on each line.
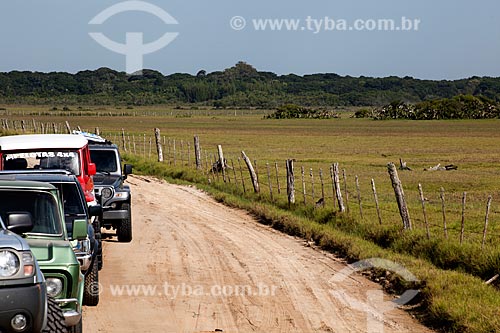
50,151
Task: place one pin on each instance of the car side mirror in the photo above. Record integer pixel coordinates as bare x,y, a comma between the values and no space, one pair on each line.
80,229
20,222
127,169
92,169
95,210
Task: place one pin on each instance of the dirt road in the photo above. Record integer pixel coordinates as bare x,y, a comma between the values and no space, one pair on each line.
195,265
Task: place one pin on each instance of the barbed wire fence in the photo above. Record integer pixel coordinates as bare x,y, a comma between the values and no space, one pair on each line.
290,184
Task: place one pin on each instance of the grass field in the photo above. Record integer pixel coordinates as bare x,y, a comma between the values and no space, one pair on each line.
362,147
452,273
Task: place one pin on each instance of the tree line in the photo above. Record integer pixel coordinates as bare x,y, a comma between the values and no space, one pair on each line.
239,86
457,107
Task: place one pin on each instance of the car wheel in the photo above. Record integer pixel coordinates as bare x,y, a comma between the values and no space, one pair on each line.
78,328
55,318
124,231
91,289
98,237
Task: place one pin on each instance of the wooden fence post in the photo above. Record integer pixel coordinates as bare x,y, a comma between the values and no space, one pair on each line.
375,197
322,187
124,146
214,170
68,128
35,130
269,181
422,199
222,162
334,195
443,208
197,152
400,196
290,182
277,177
98,132
159,148
234,173
303,184
150,147
175,153
345,191
182,152
358,190
312,184
256,169
462,229
338,191
488,206
54,128
251,170
23,126
241,174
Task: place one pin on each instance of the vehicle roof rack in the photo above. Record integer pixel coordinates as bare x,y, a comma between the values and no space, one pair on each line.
92,138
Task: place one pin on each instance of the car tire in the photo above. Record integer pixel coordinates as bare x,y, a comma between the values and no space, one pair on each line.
91,288
55,318
98,237
124,231
78,328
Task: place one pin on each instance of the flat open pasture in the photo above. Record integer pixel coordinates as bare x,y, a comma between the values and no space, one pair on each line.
363,148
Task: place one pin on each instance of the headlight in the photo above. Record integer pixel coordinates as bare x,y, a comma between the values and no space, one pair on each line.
106,193
82,246
9,264
54,287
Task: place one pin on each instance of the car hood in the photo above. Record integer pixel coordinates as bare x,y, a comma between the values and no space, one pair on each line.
105,180
52,252
11,240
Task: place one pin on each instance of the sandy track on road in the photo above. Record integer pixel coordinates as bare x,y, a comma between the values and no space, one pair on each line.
197,246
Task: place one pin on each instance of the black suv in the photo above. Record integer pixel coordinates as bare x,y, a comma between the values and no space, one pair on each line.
88,252
24,306
110,190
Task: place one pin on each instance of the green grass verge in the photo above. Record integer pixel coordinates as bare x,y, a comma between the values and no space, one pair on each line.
452,300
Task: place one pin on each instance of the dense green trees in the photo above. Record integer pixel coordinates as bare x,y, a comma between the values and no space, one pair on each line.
292,111
238,86
458,107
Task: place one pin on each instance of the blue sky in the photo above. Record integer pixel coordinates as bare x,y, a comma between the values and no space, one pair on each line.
456,39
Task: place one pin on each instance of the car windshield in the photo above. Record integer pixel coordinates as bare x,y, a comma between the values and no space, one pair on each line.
105,160
54,159
41,205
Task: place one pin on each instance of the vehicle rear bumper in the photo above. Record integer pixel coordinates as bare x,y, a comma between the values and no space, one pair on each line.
120,214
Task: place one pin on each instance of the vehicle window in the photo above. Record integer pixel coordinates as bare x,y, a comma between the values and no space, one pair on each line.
105,160
42,207
66,160
72,201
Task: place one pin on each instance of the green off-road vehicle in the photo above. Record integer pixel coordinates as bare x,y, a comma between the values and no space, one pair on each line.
39,202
